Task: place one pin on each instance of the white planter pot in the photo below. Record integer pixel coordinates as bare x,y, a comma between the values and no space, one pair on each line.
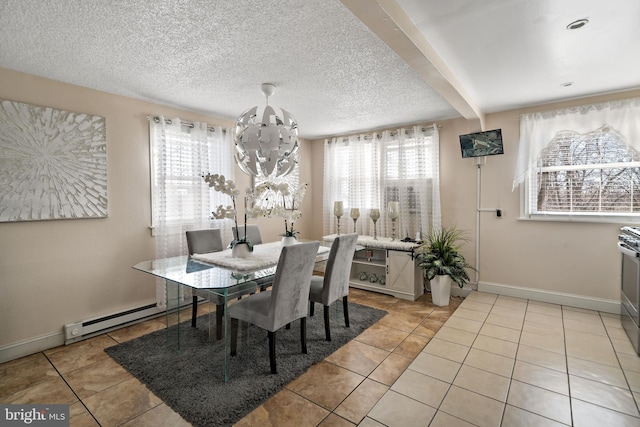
441,290
288,240
241,250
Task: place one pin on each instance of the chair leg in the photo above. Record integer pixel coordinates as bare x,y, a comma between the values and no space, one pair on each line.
312,307
327,328
234,336
272,352
303,334
345,308
219,314
194,311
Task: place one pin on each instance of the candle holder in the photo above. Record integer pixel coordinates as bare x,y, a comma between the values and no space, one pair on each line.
355,214
375,216
394,212
338,211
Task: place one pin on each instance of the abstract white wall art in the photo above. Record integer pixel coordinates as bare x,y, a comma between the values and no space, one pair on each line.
53,164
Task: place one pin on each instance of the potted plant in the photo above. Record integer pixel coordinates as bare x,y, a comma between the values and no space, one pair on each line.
440,258
240,246
290,213
283,203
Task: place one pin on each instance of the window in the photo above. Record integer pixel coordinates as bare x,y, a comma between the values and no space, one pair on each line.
353,176
581,163
369,171
405,175
410,191
180,179
592,173
181,153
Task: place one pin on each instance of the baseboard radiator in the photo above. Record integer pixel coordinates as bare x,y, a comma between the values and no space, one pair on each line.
89,328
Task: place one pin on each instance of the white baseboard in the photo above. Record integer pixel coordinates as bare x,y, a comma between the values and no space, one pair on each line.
463,292
83,330
571,300
31,346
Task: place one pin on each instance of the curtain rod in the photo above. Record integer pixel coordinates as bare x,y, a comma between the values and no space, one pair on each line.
407,131
392,133
183,123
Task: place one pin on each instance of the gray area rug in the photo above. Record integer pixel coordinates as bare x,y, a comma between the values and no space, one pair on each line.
192,382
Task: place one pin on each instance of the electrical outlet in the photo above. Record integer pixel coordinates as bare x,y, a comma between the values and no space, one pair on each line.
72,330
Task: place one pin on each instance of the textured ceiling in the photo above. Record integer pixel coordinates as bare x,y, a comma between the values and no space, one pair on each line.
339,66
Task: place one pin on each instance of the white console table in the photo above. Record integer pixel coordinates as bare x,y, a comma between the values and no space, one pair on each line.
385,266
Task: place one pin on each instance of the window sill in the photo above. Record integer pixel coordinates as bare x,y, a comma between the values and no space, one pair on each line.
175,228
599,219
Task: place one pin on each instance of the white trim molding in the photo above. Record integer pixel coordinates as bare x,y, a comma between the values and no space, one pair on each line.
31,346
570,300
464,291
74,332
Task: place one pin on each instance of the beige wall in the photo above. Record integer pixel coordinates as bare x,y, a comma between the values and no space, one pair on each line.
559,257
556,261
58,272
64,271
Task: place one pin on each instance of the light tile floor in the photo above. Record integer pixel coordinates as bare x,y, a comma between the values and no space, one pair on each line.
486,360
500,361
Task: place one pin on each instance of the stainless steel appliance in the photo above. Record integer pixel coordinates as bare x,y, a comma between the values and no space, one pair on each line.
629,246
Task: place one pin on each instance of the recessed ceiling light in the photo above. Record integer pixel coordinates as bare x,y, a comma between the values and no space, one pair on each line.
578,24
567,84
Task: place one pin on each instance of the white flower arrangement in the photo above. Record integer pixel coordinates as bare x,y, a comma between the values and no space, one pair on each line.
284,206
221,184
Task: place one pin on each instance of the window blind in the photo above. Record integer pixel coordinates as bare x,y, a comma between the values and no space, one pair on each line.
590,173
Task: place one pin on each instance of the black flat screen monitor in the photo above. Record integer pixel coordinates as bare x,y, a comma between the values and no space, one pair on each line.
478,144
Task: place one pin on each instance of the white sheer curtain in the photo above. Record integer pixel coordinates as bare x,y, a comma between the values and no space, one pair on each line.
369,171
181,200
351,175
539,129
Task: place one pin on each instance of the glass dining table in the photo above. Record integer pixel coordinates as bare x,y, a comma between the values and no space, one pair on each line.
218,274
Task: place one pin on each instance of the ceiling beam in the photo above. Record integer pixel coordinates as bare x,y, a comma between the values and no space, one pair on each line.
394,27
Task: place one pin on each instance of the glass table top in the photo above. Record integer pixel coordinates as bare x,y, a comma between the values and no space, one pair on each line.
199,275
203,275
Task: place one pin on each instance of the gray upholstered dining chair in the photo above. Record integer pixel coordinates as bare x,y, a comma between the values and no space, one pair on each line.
253,233
335,282
202,242
285,302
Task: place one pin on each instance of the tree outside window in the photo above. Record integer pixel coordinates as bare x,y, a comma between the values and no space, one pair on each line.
592,173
